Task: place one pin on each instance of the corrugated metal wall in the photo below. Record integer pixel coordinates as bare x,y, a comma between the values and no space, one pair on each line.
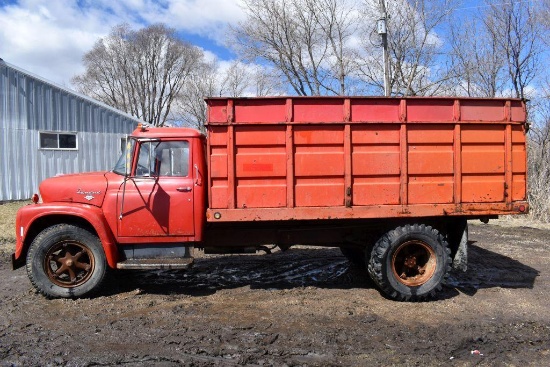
29,105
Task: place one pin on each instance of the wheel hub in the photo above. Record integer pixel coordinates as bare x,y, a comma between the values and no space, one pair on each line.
65,269
413,263
410,262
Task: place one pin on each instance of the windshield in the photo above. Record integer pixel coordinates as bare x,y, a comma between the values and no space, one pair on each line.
122,166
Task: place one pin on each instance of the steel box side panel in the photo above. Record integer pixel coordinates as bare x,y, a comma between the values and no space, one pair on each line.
424,110
401,166
430,159
375,164
318,165
218,163
375,110
479,110
483,168
519,164
260,166
270,110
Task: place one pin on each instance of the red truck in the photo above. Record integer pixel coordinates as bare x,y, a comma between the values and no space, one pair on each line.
391,181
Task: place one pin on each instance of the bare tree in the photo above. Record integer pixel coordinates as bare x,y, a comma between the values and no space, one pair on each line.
139,72
539,160
241,79
190,106
478,63
304,39
338,21
236,80
267,82
519,35
418,63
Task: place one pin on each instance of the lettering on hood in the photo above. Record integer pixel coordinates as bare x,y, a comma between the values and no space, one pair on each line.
89,194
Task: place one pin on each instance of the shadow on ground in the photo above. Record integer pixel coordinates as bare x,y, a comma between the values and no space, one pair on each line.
322,268
488,269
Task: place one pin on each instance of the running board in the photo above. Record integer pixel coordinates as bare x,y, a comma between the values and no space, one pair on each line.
150,264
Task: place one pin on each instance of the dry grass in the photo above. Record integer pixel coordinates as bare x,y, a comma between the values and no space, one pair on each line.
7,224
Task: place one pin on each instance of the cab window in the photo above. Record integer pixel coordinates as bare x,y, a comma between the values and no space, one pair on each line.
164,159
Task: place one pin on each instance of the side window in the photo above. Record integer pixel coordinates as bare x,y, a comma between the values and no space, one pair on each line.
145,164
163,159
173,158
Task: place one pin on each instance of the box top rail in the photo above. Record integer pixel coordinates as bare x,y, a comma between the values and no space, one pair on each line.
334,109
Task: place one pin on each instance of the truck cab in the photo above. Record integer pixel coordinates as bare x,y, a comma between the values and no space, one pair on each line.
145,213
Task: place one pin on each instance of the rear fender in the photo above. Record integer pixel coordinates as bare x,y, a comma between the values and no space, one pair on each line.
33,218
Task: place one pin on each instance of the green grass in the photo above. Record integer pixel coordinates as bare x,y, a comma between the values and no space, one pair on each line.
7,224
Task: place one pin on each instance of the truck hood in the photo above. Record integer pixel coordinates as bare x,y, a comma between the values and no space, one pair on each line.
86,188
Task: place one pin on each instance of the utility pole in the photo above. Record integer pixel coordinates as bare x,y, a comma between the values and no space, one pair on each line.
383,31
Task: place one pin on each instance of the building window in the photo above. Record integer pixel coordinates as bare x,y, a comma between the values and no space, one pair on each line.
58,141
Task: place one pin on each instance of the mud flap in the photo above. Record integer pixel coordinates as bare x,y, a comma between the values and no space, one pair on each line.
460,260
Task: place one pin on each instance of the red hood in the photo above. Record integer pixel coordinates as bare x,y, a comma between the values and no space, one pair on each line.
87,188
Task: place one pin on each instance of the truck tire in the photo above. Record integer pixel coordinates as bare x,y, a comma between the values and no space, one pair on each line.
356,256
409,263
66,261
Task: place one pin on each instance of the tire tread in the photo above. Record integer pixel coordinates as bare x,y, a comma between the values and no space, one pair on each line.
383,246
36,245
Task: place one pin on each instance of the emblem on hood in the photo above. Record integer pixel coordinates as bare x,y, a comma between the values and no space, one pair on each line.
89,194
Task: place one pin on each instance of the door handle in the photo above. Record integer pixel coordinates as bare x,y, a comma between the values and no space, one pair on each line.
184,189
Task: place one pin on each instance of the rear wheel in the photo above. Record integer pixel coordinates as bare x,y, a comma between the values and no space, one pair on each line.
66,261
410,262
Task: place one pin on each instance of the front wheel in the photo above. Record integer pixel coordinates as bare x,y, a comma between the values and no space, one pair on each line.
410,263
66,261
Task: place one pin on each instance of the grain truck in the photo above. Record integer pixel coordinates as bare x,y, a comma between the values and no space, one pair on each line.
391,181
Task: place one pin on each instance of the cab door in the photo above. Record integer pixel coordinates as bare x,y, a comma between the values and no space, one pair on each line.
158,197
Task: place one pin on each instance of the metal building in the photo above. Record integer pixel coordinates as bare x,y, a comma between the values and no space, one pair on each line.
47,130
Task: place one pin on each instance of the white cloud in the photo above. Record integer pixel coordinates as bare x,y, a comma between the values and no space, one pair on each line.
50,38
210,56
207,17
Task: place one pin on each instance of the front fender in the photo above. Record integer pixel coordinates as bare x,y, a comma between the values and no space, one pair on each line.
33,218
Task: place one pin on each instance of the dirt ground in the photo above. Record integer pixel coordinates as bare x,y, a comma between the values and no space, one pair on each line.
302,307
